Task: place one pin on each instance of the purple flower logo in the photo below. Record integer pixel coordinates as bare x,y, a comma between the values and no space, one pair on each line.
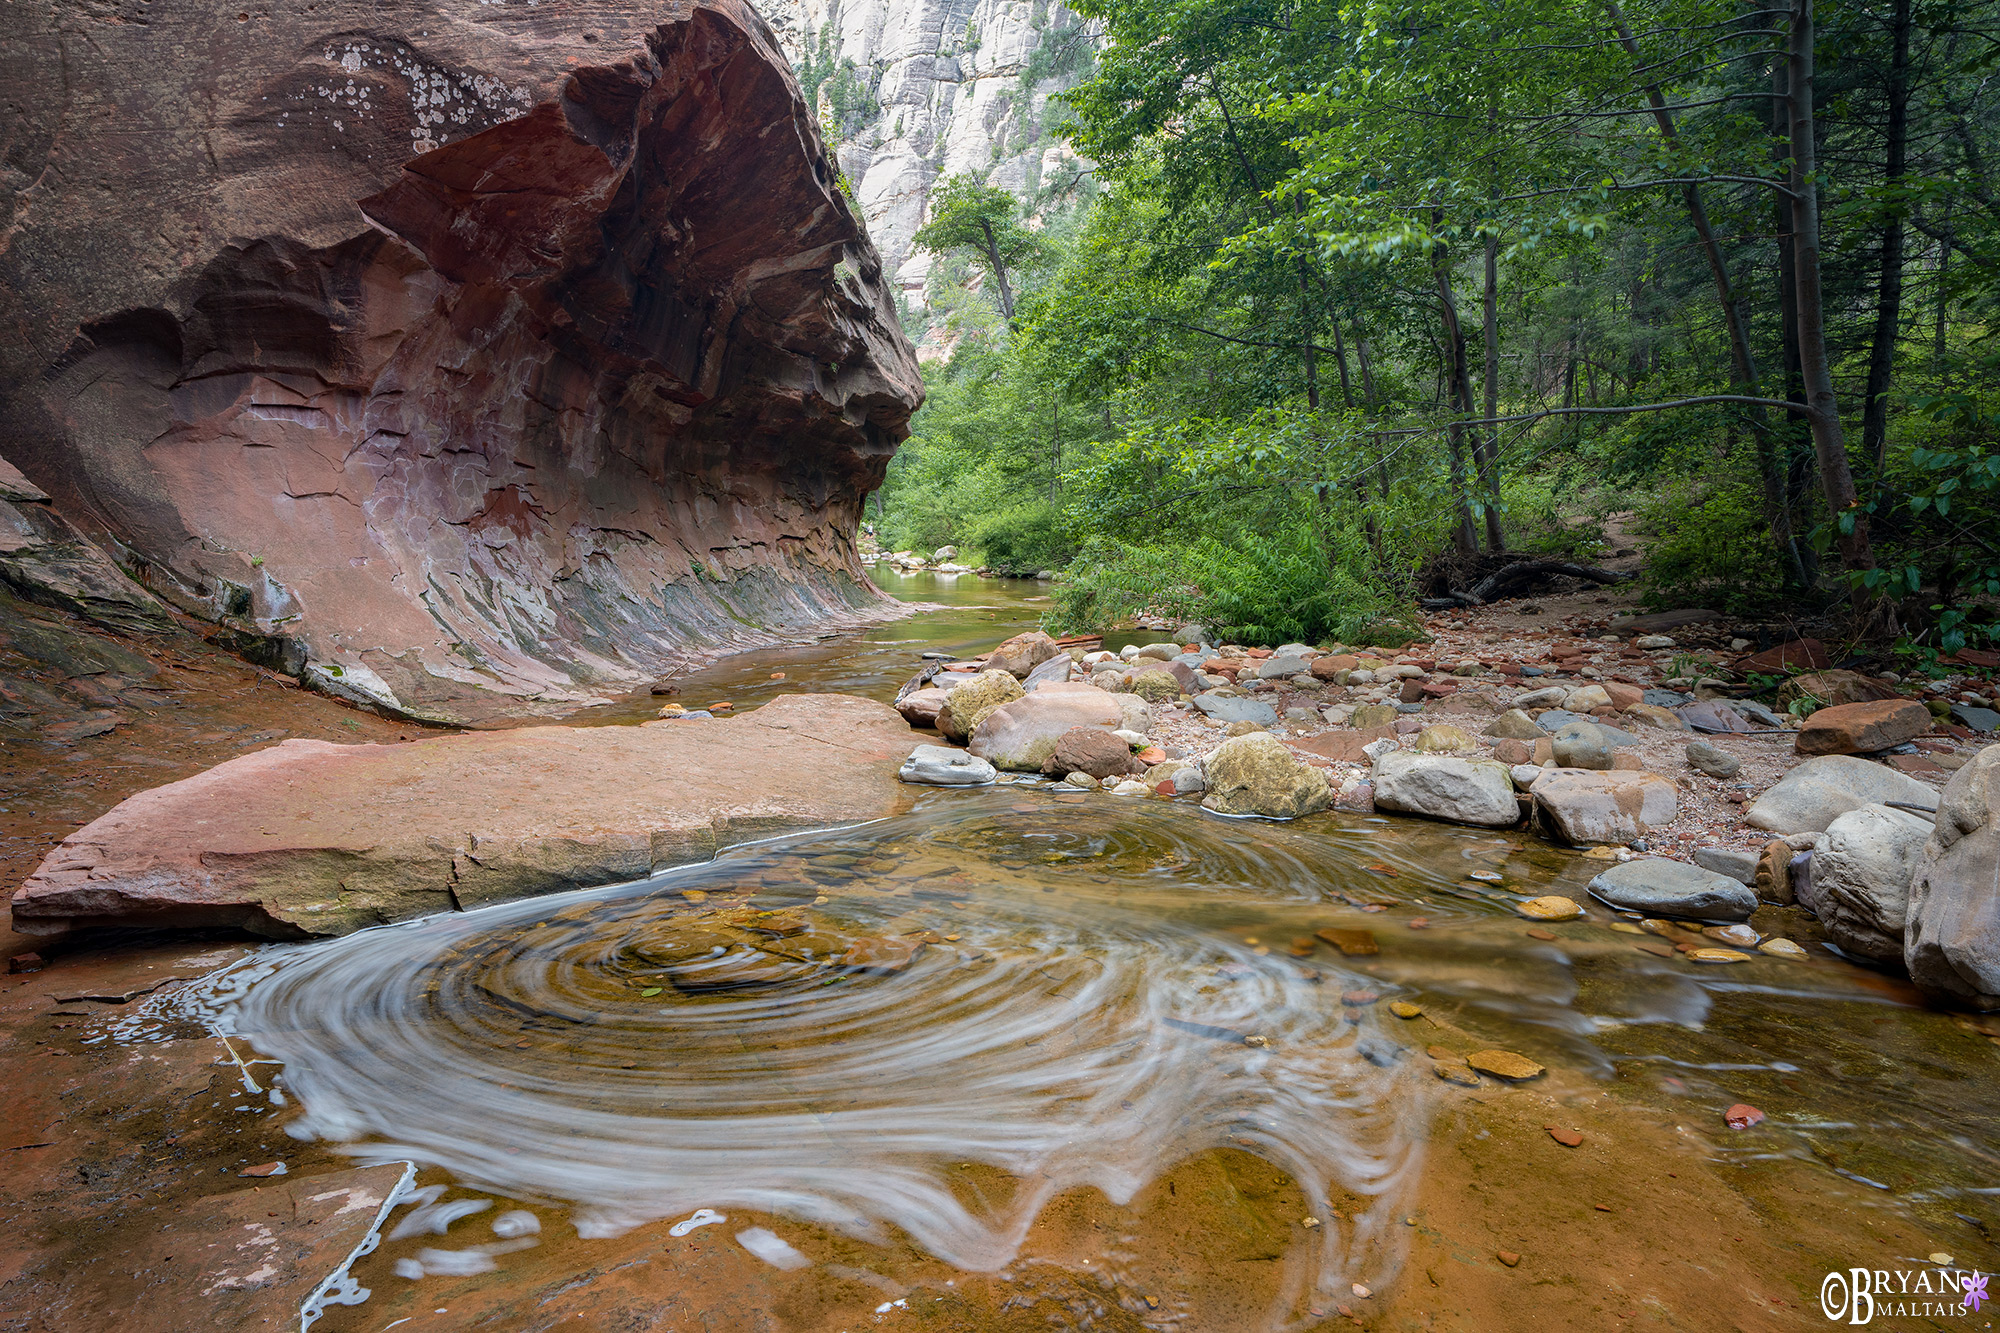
1975,1290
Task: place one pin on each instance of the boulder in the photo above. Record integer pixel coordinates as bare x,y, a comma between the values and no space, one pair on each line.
1818,791
1514,725
1326,668
1257,775
1020,736
1283,668
920,707
1157,652
1586,697
1442,738
1464,791
1598,808
1859,887
1715,762
1548,697
943,766
1156,686
1773,880
1055,671
1098,751
1653,715
1192,633
1346,746
1023,653
1227,708
1863,728
1622,696
1798,655
1582,745
1711,716
966,704
1952,939
1372,715
1660,887
310,837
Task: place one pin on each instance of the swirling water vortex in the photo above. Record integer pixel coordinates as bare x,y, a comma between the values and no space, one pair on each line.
825,1027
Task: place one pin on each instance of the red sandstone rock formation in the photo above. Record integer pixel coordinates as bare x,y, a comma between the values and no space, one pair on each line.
479,358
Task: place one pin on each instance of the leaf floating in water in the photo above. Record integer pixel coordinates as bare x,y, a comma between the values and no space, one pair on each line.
1351,942
1742,1116
1404,1009
1716,956
1568,1138
1484,876
1553,907
1390,871
651,991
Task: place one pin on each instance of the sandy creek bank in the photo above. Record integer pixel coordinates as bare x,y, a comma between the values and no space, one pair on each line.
126,1145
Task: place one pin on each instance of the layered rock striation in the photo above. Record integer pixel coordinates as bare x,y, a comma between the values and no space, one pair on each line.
476,359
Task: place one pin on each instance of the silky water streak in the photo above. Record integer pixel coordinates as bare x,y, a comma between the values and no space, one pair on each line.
823,1027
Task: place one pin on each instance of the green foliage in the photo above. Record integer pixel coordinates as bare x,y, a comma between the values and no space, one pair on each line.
1252,588
1023,539
1707,547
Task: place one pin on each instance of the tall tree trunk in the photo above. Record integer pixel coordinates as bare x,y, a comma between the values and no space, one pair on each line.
1489,457
1742,361
1829,443
1889,285
1794,459
1340,355
999,271
1465,536
1361,355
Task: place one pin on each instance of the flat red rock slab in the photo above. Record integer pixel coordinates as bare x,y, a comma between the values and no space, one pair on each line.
315,838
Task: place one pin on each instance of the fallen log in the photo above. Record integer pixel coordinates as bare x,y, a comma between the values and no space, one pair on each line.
1520,571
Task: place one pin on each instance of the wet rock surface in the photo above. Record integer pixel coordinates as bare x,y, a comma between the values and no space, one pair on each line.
312,838
1674,888
1952,946
469,367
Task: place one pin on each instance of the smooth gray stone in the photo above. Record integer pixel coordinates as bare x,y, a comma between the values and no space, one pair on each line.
1659,887
942,766
1739,866
1979,719
1667,698
1225,709
1757,713
1278,667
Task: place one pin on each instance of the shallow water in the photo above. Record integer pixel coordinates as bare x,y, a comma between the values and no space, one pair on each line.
970,615
918,1041
1064,991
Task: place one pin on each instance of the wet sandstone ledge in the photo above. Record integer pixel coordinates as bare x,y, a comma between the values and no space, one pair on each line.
316,838
468,361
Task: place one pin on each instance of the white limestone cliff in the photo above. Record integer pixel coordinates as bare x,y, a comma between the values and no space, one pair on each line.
914,91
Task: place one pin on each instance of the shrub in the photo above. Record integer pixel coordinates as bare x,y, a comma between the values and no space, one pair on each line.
1023,539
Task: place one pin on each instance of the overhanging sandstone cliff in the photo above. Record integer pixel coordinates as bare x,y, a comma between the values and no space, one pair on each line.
488,361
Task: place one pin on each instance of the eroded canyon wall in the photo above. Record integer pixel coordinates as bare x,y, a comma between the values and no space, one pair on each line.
465,357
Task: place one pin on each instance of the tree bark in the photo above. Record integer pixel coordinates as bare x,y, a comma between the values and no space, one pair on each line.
1794,462
1489,459
999,271
1829,443
1889,285
1465,536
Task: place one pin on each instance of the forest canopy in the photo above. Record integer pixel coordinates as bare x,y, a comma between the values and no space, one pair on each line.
1358,301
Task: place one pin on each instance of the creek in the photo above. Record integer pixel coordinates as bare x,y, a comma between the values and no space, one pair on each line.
892,1050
